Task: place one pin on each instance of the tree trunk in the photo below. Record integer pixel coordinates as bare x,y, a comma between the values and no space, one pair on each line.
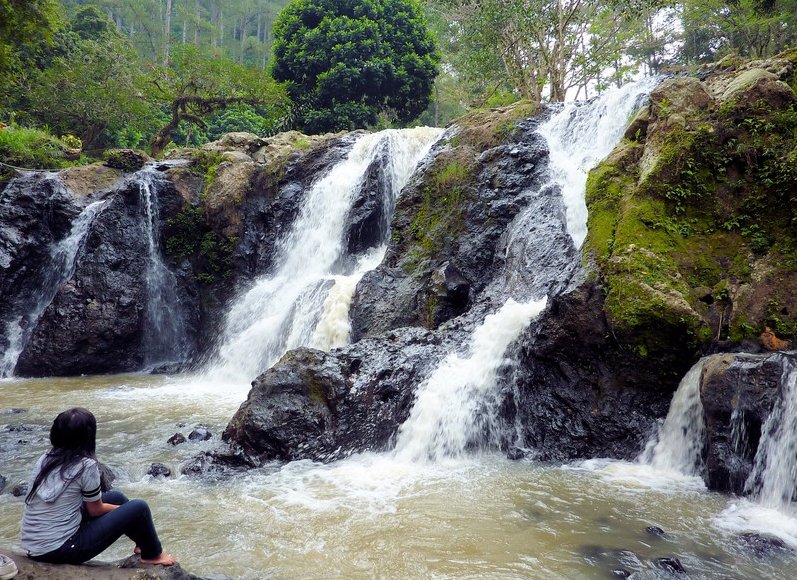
167,31
198,18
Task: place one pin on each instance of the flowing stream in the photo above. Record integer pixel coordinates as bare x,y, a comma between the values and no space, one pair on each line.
445,503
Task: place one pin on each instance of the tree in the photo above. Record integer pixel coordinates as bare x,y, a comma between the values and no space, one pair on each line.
346,62
196,84
750,28
90,85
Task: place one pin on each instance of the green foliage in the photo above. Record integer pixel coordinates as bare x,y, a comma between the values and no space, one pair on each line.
347,61
24,23
198,83
31,148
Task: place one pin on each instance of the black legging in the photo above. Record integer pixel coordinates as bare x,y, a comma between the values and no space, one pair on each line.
132,518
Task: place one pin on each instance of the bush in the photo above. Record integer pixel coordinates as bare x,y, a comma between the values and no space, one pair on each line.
31,148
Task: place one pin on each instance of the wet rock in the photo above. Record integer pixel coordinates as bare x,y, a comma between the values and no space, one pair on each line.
577,392
20,428
621,573
669,564
97,322
159,470
738,392
199,433
3,482
655,531
325,406
16,411
176,439
455,238
763,545
20,489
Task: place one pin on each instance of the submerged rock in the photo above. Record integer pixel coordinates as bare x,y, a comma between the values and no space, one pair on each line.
176,439
159,470
199,433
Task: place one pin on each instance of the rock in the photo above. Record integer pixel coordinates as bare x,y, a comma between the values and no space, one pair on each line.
176,439
621,573
127,160
682,95
16,411
129,568
669,564
452,217
763,545
97,321
325,406
655,531
741,388
757,84
241,141
86,180
3,482
20,489
200,433
159,470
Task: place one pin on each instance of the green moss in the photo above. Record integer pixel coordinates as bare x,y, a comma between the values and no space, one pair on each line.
438,218
207,163
190,237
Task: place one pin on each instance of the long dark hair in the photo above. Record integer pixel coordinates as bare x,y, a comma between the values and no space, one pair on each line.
73,436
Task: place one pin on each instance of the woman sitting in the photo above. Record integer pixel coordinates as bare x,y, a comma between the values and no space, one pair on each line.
68,519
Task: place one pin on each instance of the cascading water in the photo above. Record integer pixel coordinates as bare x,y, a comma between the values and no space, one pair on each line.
457,406
773,481
164,338
678,445
583,134
59,269
283,309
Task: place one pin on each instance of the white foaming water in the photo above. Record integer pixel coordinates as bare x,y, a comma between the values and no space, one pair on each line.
583,134
774,476
282,309
678,445
332,330
61,266
165,329
458,404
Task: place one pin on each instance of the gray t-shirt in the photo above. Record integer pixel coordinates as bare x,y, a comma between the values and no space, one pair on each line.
53,514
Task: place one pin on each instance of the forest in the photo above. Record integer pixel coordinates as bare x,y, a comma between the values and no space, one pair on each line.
78,77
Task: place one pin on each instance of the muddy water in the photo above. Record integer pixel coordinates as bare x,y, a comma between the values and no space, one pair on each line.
377,515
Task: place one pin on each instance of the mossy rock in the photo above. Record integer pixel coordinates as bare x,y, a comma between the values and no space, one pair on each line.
127,160
693,221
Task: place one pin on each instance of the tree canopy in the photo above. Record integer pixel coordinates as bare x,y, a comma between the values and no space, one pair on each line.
346,62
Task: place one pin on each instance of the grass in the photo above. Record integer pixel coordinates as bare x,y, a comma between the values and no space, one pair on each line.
31,149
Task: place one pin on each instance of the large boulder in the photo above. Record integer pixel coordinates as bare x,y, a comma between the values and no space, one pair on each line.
325,406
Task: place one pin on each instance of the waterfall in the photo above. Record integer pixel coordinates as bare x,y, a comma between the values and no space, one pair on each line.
282,309
774,476
583,134
57,270
678,446
457,406
164,337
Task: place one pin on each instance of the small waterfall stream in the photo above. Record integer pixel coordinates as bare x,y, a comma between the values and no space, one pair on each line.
284,309
59,268
678,446
773,481
164,337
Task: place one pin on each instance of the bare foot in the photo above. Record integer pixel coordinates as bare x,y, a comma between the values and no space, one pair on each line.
163,559
137,550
